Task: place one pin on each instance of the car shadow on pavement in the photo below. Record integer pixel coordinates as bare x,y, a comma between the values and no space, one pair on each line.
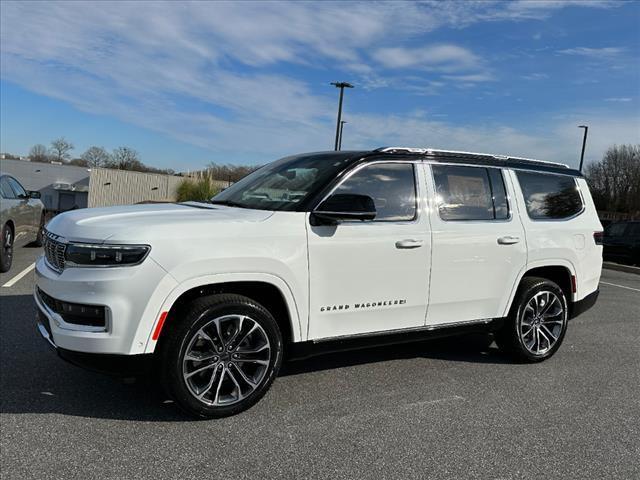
471,348
34,380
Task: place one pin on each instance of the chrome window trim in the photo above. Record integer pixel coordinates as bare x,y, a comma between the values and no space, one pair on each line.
416,185
495,220
563,219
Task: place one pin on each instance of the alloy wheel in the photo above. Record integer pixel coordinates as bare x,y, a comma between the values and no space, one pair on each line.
541,322
226,360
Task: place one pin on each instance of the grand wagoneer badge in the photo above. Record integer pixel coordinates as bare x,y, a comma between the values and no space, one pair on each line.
359,306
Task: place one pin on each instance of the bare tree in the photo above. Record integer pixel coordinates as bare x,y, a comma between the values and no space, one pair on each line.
615,180
125,158
60,149
96,157
229,173
38,153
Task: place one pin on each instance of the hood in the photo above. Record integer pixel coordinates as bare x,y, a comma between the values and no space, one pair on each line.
141,222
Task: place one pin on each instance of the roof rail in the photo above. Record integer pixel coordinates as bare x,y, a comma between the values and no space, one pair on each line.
460,153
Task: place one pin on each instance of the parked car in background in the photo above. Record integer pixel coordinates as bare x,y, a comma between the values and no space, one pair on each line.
21,217
622,242
318,252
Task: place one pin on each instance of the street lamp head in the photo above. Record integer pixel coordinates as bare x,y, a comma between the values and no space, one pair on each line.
583,126
342,84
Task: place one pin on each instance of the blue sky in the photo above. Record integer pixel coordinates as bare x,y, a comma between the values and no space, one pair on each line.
189,83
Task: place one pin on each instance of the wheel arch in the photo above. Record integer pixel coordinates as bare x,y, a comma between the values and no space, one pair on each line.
559,272
268,290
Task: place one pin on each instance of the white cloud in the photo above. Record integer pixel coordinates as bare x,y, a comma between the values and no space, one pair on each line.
441,58
555,139
536,76
204,72
471,78
619,99
604,53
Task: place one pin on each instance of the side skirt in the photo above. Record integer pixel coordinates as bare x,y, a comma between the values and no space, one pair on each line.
312,348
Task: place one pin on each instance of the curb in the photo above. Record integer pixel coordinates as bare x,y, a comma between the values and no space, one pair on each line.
621,268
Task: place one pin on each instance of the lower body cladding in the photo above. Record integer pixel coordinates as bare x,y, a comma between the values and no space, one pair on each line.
100,310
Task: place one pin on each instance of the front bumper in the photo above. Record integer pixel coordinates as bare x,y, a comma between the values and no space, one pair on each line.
132,297
118,365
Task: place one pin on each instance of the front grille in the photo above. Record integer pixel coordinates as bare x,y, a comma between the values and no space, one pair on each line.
75,313
54,251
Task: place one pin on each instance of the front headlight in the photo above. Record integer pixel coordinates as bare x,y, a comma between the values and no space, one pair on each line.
89,255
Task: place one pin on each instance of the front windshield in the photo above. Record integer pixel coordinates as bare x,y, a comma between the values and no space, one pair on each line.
285,183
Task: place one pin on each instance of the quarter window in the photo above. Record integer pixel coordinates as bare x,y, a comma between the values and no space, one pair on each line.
550,196
470,193
391,186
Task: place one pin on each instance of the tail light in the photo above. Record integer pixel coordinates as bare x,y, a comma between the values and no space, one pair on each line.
597,237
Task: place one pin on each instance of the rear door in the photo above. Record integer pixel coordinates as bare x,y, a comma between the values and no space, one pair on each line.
479,246
372,276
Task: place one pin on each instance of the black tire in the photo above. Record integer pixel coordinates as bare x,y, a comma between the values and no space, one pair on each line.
181,331
513,338
6,248
40,238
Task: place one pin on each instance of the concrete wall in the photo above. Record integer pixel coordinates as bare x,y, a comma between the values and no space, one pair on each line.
62,186
120,187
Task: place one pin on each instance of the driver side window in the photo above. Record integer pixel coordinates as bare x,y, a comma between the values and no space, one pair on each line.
392,187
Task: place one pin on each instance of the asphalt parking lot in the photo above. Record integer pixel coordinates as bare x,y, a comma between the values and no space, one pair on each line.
441,409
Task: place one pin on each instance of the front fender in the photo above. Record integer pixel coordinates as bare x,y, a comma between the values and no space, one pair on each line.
220,278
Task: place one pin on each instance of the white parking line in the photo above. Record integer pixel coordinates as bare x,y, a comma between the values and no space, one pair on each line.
621,286
19,276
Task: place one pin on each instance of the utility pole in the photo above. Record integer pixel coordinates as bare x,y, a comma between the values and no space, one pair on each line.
342,122
341,86
584,144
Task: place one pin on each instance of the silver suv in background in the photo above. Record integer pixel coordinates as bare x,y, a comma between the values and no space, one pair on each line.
21,217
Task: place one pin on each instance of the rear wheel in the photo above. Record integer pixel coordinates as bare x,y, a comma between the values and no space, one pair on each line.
220,356
6,250
537,322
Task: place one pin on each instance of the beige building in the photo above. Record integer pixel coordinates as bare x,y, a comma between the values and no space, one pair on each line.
121,187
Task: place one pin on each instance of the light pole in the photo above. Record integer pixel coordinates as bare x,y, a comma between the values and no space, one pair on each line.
341,86
584,144
342,122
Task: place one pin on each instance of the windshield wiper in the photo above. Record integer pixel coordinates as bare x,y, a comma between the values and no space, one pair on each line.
228,203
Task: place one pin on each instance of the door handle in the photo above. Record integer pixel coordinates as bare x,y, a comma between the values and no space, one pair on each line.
408,243
508,240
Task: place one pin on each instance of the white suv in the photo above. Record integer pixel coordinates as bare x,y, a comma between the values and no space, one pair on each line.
316,252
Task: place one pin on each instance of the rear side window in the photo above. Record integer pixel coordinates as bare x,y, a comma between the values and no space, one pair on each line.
470,193
550,197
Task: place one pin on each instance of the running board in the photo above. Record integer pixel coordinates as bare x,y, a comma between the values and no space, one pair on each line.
301,350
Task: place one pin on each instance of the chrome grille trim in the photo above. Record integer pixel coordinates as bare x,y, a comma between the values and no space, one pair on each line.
54,250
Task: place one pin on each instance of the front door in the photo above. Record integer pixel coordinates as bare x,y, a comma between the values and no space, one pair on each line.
372,276
479,246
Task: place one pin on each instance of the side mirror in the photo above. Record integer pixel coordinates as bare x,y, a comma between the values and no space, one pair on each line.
344,207
34,194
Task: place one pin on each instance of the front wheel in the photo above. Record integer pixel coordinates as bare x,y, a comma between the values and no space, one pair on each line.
537,323
6,249
220,355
